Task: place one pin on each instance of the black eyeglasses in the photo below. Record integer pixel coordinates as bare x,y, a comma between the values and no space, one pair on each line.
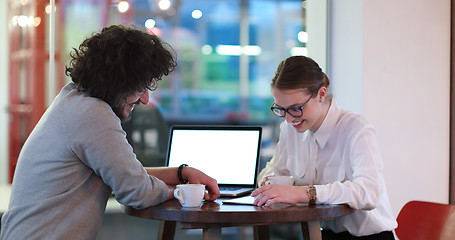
293,111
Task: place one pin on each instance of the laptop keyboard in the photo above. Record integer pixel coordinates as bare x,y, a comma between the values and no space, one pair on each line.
234,191
229,188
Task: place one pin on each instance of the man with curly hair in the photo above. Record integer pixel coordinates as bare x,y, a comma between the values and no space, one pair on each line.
78,154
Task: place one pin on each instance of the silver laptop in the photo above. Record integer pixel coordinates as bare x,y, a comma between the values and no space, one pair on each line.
228,153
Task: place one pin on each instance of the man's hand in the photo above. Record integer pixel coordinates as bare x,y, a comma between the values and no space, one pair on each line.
170,191
193,175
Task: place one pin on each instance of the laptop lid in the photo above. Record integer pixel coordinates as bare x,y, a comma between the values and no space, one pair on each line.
228,153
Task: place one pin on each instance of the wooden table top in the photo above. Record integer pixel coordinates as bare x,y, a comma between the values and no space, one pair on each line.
229,215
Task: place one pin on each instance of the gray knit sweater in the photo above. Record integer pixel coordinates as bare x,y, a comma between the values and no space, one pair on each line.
76,155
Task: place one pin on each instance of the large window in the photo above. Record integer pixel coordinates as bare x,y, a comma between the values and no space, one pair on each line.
227,54
227,50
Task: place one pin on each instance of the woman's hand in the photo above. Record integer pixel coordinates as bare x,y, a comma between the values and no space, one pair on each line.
265,180
193,175
276,193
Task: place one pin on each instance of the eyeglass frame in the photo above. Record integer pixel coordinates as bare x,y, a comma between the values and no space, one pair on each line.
286,110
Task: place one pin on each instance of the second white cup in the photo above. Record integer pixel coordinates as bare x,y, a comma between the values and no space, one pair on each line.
283,180
190,195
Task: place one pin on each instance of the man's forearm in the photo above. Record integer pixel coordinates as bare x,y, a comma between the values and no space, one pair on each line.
166,174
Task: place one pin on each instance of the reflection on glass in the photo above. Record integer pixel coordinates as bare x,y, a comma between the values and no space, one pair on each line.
227,50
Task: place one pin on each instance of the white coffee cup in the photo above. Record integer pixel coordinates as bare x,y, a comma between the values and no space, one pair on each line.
283,180
190,195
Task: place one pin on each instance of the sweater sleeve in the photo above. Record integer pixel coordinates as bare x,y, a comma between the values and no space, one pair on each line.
99,141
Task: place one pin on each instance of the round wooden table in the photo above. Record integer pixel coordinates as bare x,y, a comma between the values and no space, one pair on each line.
212,216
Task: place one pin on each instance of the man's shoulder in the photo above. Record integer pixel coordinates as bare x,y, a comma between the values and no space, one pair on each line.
79,101
80,109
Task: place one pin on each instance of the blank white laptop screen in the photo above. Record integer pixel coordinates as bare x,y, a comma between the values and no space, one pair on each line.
230,154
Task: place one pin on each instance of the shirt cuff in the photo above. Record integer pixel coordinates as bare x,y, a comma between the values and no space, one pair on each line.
321,194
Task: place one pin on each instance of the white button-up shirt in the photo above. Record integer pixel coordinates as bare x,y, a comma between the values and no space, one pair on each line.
342,159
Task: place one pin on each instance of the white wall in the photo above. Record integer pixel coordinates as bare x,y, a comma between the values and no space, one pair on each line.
316,27
404,88
3,93
346,52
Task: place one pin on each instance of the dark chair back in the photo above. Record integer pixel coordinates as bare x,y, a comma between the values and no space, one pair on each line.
148,134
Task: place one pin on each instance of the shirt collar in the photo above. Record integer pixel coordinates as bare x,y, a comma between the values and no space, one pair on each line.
327,126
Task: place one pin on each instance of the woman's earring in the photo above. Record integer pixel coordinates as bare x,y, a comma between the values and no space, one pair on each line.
322,100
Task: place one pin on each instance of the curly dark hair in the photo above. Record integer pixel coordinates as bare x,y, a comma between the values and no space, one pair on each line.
119,61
